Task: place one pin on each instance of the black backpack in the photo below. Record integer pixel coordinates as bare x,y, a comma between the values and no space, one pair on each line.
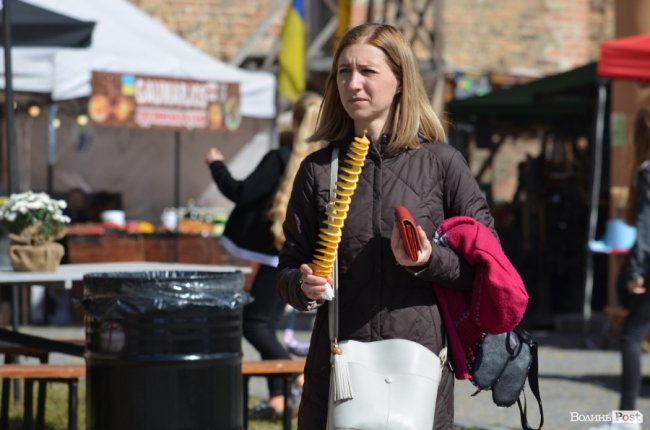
503,363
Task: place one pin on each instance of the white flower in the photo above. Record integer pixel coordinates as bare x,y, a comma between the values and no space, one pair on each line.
26,209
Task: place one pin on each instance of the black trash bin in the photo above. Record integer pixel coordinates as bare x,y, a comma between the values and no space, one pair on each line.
163,350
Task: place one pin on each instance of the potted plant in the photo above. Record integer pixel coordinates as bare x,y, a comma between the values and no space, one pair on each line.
34,222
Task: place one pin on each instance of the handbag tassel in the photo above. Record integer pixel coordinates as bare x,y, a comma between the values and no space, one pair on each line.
342,383
443,356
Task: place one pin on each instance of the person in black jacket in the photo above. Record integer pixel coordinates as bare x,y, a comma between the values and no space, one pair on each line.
634,273
248,234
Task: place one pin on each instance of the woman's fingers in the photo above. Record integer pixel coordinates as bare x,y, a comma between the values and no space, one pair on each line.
397,245
311,285
424,256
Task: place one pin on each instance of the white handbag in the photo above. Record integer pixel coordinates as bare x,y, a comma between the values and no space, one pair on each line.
390,384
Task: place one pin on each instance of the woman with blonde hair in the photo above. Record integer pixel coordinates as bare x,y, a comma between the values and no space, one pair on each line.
252,233
374,88
304,119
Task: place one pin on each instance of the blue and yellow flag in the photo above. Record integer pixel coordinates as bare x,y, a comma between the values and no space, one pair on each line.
343,16
291,79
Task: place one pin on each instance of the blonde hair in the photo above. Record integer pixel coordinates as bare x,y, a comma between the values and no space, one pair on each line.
413,115
305,117
641,154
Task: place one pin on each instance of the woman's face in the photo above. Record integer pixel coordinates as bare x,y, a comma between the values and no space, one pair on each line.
367,87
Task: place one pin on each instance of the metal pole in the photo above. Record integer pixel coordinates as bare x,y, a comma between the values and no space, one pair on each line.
9,98
52,113
177,187
11,150
11,135
177,168
599,136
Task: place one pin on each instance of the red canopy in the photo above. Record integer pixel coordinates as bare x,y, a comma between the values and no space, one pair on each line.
627,58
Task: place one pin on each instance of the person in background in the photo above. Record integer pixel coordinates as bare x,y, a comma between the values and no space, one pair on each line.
53,305
374,86
635,272
299,150
77,205
250,234
103,201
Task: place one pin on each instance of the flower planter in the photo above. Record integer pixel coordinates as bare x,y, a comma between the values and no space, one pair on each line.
34,222
36,258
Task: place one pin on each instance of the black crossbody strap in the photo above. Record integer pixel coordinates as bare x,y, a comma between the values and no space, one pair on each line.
533,382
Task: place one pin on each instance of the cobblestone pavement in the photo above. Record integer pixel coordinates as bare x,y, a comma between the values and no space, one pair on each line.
573,380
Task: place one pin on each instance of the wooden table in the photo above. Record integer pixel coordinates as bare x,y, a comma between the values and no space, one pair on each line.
160,247
169,247
67,273
156,247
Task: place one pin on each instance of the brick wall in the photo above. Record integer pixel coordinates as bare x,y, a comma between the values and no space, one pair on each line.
505,37
544,36
217,27
508,38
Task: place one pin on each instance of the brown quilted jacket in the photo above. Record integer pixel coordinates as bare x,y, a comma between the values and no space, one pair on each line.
378,298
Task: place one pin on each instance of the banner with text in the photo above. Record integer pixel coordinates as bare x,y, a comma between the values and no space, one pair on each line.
126,100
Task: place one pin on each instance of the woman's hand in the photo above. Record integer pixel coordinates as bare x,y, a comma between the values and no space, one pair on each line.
397,245
312,286
636,286
213,155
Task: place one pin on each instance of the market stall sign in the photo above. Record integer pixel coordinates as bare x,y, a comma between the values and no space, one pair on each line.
127,100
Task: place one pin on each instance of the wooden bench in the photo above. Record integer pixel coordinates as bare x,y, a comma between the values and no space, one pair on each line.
68,373
71,372
13,350
287,369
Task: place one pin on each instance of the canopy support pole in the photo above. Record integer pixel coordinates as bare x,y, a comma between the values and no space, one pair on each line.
599,136
52,113
9,99
177,168
177,184
11,152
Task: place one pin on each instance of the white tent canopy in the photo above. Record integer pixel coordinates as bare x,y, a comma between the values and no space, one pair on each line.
126,40
138,164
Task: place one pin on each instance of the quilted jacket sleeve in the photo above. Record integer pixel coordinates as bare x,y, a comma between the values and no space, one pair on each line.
462,197
300,229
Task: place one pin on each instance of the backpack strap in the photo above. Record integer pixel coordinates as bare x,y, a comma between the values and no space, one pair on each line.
533,381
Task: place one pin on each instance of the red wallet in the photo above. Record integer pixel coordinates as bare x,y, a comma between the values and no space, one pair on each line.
409,232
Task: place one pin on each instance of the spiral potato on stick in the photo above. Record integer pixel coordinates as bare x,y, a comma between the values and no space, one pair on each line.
338,206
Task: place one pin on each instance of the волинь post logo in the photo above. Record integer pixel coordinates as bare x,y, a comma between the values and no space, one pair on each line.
615,417
627,417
